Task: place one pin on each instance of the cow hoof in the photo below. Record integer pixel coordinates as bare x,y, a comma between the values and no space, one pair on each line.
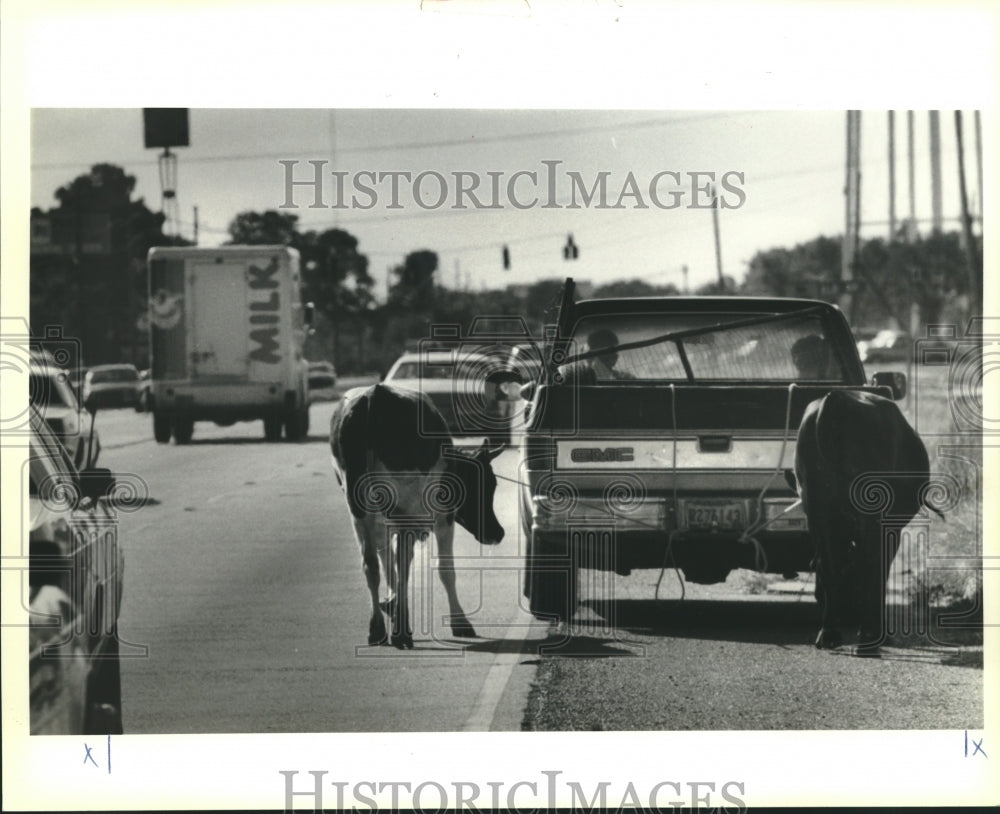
402,641
828,639
463,630
376,632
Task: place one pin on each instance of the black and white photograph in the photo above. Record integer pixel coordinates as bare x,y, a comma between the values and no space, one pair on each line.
423,440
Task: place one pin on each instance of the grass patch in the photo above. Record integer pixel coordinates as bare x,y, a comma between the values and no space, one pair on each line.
940,561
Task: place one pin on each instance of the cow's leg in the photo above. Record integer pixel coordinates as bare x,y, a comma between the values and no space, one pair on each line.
365,530
401,554
832,589
444,532
874,562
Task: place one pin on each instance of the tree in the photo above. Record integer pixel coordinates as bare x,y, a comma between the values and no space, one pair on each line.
635,288
414,287
891,277
263,228
90,278
338,283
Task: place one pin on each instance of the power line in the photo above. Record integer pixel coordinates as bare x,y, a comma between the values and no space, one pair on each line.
421,145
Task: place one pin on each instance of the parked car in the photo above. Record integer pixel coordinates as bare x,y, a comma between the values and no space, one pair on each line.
460,387
75,588
322,381
888,345
49,391
655,439
112,386
76,377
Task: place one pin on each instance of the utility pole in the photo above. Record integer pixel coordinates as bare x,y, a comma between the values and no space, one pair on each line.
196,226
684,271
912,174
979,169
852,214
718,242
971,249
937,218
892,175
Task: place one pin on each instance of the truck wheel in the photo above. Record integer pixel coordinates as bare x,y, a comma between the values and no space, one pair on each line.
550,582
183,430
297,424
272,428
162,428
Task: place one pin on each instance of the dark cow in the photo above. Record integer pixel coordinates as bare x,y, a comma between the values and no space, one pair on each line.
861,470
394,458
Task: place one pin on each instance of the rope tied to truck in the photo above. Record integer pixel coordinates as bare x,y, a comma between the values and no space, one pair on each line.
761,522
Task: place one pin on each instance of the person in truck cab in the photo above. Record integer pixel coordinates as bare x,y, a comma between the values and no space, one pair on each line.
600,368
811,357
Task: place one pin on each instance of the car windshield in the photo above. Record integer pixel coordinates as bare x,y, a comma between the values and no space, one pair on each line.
50,390
114,374
704,347
415,370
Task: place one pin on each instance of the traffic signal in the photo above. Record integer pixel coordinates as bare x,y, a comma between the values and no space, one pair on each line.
570,251
506,259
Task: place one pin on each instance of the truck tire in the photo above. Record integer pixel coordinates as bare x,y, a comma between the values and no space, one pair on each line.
550,582
272,428
162,428
297,424
183,429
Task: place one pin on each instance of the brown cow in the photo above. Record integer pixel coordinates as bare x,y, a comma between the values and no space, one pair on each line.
849,441
394,458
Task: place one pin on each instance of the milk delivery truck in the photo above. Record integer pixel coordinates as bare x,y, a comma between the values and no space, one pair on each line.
227,327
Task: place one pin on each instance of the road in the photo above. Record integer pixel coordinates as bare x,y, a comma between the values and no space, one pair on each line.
245,611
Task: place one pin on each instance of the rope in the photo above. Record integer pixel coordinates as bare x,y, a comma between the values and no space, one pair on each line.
668,554
760,558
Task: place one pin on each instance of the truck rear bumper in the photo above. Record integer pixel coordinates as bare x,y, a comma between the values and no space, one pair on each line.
220,402
705,557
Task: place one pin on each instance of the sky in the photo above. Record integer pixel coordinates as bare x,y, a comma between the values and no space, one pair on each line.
780,176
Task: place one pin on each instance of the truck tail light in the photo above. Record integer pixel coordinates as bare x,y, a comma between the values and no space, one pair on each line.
539,453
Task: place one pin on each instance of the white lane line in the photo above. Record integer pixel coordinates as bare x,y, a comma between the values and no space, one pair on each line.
485,708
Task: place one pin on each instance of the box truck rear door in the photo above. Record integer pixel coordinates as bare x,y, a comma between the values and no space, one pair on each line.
221,323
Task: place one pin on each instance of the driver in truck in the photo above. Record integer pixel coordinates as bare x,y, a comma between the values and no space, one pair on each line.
811,357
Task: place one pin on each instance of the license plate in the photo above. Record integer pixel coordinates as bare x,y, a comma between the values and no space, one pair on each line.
718,515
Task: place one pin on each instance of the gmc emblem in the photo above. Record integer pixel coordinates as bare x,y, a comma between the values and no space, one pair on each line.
593,455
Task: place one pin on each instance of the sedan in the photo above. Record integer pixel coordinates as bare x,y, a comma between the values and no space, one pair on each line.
112,386
322,381
75,591
461,387
49,392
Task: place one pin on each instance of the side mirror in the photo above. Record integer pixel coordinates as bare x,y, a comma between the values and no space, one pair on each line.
96,483
893,381
90,404
381,375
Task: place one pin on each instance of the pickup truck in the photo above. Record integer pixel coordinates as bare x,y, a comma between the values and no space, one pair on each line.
659,433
